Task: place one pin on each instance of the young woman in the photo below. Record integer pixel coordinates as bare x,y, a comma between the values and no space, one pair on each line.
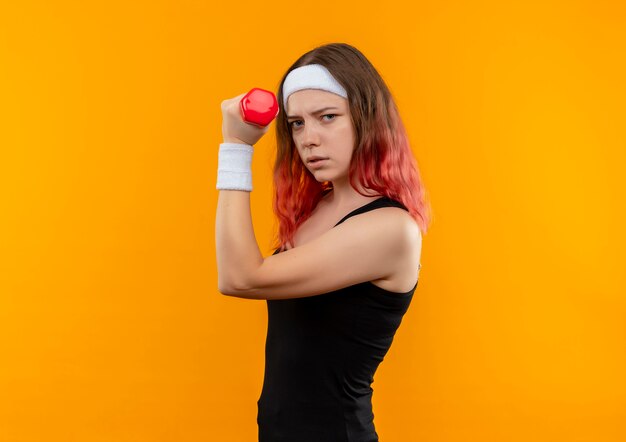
351,210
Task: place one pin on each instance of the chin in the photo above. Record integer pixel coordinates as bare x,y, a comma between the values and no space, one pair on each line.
328,175
321,176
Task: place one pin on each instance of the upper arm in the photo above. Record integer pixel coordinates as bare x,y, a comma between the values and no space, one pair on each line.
363,248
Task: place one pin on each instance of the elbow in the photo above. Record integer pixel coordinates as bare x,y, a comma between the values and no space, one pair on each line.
237,280
226,291
225,287
231,288
226,283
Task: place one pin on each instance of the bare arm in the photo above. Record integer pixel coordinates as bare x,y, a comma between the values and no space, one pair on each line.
237,251
365,247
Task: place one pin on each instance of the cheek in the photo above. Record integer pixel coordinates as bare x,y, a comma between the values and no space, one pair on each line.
348,140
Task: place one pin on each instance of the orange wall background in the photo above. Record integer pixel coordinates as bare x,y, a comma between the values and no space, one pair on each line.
111,325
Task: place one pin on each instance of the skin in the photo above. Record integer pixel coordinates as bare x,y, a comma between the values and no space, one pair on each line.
338,256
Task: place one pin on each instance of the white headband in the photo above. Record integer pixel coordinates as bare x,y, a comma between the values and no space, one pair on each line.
311,76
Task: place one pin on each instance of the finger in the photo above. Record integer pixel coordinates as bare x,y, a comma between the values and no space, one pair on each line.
230,101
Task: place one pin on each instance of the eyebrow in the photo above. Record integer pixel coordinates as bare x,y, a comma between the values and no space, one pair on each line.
319,111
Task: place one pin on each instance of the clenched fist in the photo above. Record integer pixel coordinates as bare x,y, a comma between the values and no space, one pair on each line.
234,128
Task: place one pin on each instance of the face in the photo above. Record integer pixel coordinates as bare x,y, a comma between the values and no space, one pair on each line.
321,126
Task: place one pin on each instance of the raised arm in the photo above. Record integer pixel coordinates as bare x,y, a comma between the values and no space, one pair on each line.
365,247
237,251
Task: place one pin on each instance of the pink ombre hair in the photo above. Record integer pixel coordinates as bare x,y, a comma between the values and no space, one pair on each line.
382,160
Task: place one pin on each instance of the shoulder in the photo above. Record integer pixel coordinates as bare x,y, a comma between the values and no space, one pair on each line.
389,233
394,221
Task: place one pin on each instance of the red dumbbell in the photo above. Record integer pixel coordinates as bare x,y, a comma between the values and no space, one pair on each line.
259,107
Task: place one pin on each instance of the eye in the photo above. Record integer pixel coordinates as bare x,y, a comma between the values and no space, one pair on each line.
295,121
330,115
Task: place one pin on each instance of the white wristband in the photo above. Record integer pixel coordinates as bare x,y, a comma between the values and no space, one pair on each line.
234,167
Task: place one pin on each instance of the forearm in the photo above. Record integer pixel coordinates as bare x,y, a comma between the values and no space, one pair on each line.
238,254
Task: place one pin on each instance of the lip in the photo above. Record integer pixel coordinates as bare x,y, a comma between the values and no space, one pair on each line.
315,157
319,163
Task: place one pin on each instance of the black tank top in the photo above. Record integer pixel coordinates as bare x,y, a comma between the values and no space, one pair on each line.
321,353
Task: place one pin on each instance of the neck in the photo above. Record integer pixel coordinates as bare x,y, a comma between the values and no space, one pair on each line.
344,196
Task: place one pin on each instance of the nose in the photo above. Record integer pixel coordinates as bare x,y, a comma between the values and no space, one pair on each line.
310,135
